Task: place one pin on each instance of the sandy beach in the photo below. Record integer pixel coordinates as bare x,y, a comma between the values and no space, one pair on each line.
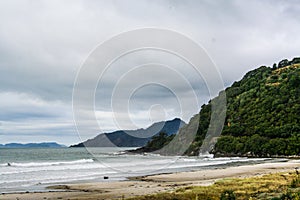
153,184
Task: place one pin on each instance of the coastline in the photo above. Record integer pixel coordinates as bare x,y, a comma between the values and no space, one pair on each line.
152,184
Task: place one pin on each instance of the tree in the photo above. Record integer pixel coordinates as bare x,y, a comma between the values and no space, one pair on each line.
283,63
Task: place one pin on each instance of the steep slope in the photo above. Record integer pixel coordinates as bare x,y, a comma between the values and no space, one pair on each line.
133,138
175,145
262,116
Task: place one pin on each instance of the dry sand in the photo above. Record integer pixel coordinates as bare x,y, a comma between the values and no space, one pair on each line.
154,183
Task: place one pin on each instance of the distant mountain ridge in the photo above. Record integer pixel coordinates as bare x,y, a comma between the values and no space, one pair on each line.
133,138
32,145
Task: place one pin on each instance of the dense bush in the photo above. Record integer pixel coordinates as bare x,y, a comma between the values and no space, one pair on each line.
262,116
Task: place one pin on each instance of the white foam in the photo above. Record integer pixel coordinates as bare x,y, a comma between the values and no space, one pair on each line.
40,164
25,174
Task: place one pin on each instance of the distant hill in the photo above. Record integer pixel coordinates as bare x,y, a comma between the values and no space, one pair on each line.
262,117
32,145
133,138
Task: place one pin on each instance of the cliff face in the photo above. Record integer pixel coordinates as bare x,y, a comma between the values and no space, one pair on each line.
133,138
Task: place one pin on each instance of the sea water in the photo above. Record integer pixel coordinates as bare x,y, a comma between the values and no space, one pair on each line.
34,169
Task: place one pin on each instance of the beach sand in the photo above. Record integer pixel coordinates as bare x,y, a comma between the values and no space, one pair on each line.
153,184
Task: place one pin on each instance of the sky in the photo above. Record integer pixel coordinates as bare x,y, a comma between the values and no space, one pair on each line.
44,44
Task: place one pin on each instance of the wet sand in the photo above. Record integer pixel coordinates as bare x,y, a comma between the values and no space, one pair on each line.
137,186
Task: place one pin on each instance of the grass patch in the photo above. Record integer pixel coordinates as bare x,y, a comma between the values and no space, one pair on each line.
271,186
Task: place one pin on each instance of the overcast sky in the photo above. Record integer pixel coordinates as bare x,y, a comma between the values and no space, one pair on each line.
44,43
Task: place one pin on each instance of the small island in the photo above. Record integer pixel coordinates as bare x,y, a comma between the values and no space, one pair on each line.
33,145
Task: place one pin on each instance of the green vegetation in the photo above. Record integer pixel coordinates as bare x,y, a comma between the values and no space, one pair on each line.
272,186
262,116
156,142
227,195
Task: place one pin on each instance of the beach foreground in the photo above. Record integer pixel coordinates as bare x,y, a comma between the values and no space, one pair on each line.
145,185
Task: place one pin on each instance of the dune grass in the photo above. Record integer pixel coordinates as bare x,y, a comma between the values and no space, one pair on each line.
271,186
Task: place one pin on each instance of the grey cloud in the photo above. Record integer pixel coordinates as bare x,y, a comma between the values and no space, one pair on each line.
44,43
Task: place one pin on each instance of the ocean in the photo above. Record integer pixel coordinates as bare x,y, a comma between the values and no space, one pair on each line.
34,169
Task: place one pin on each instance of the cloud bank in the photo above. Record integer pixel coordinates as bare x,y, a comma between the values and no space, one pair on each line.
44,43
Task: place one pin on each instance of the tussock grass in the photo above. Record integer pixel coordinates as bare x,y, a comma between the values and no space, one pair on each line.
271,186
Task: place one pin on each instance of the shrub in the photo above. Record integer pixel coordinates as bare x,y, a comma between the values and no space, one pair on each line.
227,195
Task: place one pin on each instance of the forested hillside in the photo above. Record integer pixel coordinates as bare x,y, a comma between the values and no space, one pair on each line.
263,114
262,117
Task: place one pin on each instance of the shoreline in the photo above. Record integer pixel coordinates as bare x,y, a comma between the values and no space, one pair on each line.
228,162
151,184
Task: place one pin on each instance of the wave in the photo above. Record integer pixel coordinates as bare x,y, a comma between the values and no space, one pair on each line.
189,159
40,164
